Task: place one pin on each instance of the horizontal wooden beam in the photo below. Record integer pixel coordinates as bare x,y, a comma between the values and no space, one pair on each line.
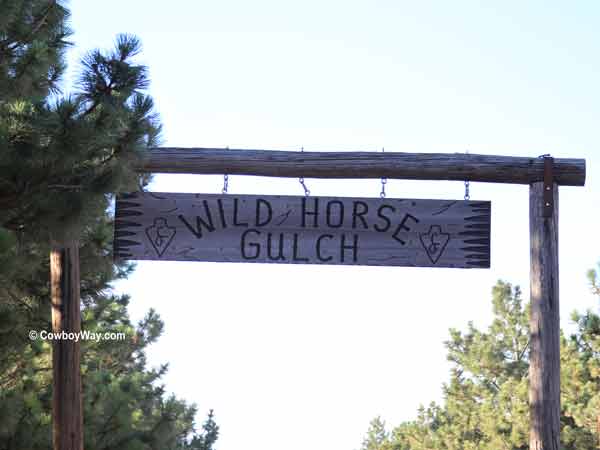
410,166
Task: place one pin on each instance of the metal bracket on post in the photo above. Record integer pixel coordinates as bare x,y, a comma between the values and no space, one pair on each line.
548,186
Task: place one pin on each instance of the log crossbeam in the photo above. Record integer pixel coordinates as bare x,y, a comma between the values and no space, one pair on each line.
339,165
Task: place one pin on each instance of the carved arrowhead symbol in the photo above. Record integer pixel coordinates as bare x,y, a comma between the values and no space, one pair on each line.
434,242
160,235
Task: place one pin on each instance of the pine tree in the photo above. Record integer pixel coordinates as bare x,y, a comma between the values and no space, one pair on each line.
377,436
486,400
61,158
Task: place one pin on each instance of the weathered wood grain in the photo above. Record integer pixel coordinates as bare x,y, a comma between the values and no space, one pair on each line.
415,166
544,361
67,413
303,230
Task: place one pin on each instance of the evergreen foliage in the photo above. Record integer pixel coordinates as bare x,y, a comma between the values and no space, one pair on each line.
486,400
61,157
377,437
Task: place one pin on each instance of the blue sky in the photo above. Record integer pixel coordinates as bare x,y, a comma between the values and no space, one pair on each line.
303,357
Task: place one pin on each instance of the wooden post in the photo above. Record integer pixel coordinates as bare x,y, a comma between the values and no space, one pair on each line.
408,166
67,414
598,429
544,369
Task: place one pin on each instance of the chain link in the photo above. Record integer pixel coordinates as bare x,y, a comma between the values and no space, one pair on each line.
467,185
384,180
225,180
301,180
225,183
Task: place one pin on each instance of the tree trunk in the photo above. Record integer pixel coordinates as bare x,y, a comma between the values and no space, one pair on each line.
66,319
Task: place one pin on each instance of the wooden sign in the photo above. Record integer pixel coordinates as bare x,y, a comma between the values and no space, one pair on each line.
302,230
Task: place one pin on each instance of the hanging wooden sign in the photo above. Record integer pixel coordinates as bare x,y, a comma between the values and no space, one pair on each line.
303,230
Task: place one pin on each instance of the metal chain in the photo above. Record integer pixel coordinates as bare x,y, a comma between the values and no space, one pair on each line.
384,180
225,180
225,183
467,185
301,180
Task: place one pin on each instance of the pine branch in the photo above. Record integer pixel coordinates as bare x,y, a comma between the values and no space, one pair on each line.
65,186
36,27
520,357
